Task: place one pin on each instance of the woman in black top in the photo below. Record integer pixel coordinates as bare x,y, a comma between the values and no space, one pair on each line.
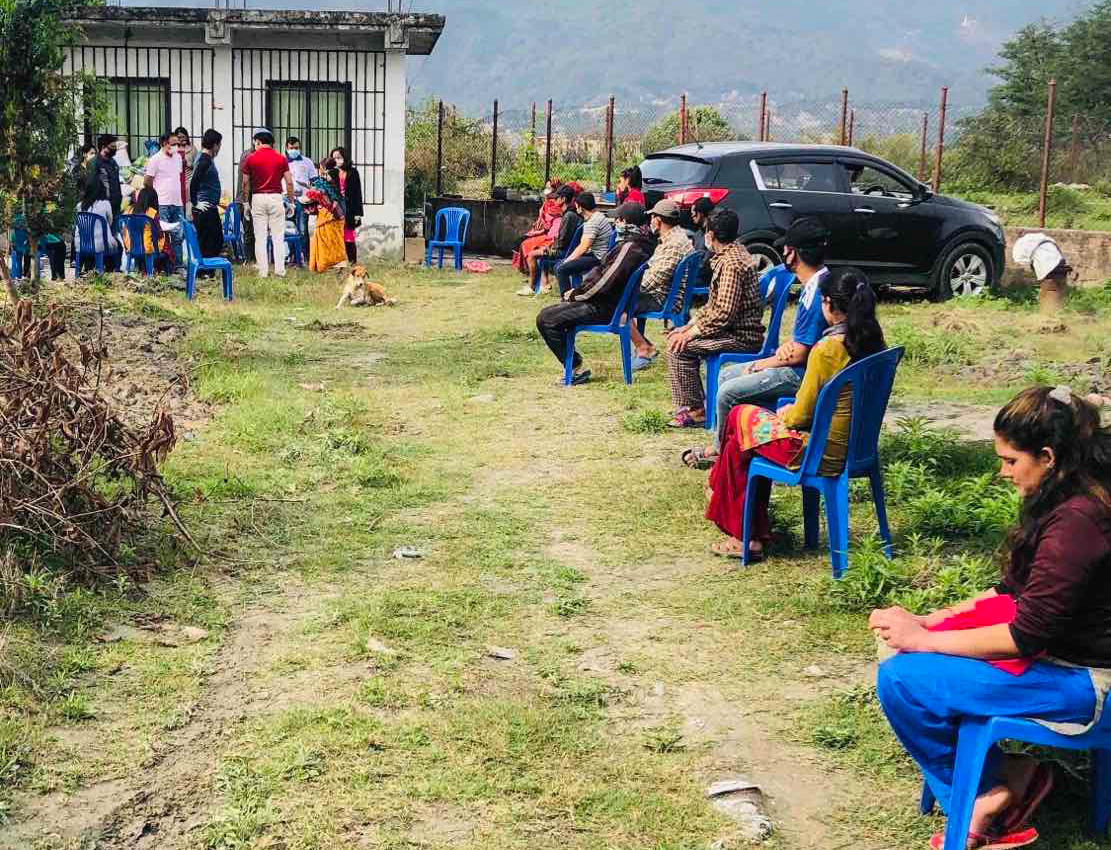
352,189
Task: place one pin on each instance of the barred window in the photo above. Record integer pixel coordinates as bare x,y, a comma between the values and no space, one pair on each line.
319,114
138,109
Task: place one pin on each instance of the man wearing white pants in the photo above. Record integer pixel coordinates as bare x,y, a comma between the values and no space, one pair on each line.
263,174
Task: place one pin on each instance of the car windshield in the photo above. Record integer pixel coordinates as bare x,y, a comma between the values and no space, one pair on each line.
675,170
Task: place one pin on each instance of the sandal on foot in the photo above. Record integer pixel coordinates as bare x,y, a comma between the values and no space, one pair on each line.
683,419
991,842
526,291
1041,783
724,549
697,459
582,377
642,363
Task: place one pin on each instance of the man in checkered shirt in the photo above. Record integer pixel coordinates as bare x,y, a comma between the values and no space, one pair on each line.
730,321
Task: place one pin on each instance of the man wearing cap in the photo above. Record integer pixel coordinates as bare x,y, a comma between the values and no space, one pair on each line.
673,246
595,242
765,381
263,174
595,299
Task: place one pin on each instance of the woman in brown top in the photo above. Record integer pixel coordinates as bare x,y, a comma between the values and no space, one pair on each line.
1033,646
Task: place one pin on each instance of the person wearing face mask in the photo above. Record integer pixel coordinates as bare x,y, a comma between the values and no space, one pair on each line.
300,166
673,246
163,175
765,381
595,299
352,189
204,194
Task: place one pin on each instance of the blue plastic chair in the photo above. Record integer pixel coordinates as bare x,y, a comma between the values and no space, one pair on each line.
618,325
87,224
21,247
294,242
871,380
136,226
549,263
778,282
450,232
682,276
194,262
978,734
233,229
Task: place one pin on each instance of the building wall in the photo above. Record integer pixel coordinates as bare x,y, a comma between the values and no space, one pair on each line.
223,86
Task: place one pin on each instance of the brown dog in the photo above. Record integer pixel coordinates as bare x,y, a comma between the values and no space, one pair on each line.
359,292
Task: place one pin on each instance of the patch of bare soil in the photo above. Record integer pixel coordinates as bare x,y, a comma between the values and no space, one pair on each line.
338,330
147,370
971,422
165,800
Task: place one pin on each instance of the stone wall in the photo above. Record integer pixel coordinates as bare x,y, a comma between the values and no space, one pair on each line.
1087,251
496,227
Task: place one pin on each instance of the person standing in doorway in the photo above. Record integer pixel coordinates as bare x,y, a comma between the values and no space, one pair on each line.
163,174
352,189
204,195
263,174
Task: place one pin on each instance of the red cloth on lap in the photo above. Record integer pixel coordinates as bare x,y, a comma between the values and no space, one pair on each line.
992,611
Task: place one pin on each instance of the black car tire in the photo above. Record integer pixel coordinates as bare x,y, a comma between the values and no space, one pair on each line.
765,255
971,262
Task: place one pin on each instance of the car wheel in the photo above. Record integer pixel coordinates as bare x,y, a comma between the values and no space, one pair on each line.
766,257
966,270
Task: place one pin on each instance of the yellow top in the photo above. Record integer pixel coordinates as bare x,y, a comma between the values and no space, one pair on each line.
826,359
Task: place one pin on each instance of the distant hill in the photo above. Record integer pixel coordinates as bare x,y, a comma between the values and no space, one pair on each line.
646,51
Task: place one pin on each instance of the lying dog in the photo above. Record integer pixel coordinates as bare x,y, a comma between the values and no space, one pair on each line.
359,292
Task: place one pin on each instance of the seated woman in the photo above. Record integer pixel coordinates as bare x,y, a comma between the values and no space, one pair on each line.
1051,613
849,306
324,200
146,203
94,199
629,186
541,234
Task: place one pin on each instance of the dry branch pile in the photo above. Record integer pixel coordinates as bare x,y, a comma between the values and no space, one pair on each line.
74,478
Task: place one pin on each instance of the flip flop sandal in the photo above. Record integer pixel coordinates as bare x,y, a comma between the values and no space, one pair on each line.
697,459
991,842
1041,783
683,419
719,550
642,363
579,379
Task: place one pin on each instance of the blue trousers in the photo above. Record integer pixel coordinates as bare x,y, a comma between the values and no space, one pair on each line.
168,214
760,388
578,266
925,697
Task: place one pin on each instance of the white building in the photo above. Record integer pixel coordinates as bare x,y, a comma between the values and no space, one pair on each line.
331,78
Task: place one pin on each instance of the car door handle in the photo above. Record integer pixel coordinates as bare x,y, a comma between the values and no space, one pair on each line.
780,205
866,210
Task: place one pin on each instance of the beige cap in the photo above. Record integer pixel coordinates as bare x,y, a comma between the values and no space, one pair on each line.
666,208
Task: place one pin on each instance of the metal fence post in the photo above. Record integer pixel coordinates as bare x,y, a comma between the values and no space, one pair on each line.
852,125
609,146
1051,103
494,152
768,126
925,133
440,152
1074,151
683,120
533,125
941,138
763,117
548,147
844,115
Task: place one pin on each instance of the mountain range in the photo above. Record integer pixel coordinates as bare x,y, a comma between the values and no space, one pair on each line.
646,52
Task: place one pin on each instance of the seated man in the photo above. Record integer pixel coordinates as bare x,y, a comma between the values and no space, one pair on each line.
673,246
730,321
765,381
593,246
701,210
594,301
564,198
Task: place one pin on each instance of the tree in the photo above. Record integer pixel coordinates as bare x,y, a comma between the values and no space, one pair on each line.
38,120
704,124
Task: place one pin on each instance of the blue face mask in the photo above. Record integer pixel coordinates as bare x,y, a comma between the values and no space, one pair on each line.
293,156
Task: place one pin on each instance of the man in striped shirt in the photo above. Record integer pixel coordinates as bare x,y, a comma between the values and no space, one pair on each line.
730,321
595,299
595,244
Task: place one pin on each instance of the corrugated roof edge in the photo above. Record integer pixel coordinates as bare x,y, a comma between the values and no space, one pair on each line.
427,26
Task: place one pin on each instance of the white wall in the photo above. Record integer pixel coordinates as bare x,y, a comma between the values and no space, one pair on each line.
382,232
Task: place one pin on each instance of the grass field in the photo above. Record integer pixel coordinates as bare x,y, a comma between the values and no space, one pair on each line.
565,666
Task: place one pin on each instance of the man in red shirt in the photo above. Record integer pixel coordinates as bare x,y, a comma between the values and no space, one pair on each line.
263,174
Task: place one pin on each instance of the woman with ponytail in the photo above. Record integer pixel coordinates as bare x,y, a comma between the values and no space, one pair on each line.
853,332
1036,645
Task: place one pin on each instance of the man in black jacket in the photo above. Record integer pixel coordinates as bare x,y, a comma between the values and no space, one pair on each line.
593,302
104,168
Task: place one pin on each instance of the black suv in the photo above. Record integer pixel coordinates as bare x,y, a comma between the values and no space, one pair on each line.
881,219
